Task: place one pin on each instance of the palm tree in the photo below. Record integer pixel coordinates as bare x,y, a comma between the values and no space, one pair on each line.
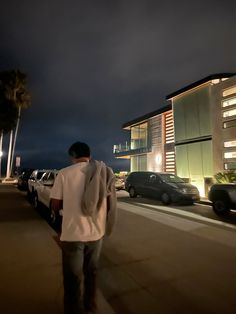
8,117
16,92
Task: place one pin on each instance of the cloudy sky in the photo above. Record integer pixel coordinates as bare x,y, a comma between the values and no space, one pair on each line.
94,65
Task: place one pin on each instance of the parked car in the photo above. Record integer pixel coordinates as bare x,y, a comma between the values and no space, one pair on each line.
23,178
36,175
164,186
42,194
223,197
119,183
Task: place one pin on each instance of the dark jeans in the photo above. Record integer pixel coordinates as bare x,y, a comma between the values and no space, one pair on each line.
80,262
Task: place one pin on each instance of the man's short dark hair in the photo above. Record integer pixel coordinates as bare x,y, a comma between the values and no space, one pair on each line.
79,149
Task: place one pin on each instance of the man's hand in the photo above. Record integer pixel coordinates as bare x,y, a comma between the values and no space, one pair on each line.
56,204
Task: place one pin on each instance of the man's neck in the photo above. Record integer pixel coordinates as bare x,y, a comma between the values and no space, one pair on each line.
81,159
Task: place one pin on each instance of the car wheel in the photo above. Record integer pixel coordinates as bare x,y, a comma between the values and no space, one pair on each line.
132,192
35,201
220,207
165,198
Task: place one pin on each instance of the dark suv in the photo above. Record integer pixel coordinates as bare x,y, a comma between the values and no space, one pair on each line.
223,197
164,186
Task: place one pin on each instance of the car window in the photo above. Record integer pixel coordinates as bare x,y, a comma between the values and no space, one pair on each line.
44,176
50,176
40,174
170,178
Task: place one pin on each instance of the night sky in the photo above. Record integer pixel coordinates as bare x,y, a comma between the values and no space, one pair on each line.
94,65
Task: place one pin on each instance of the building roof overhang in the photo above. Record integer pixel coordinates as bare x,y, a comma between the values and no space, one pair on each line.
204,81
145,117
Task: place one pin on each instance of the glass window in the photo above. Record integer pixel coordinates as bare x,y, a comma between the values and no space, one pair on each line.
229,113
229,91
229,102
229,124
230,144
139,136
171,178
230,166
230,154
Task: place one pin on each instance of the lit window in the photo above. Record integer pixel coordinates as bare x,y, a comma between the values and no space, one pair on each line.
229,124
230,155
229,113
230,144
229,102
229,91
230,166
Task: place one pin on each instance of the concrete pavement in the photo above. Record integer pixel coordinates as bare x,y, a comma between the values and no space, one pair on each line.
30,260
153,263
158,263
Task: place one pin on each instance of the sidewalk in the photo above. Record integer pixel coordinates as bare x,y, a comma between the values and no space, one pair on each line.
158,263
30,260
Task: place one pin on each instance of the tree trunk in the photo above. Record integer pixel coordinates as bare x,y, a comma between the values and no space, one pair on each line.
9,156
15,137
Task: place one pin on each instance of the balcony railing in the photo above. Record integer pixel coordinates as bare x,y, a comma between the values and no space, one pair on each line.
120,148
129,148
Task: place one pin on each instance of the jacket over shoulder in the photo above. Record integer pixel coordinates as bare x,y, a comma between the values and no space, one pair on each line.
99,184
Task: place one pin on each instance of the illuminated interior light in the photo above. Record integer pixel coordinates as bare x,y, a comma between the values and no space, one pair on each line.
229,113
229,91
229,102
230,144
230,155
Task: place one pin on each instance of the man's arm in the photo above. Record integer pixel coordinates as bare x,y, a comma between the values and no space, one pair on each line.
56,204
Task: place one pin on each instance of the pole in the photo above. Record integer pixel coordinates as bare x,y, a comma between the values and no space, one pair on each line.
14,142
9,156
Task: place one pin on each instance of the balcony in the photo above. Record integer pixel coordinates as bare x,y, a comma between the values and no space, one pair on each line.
135,147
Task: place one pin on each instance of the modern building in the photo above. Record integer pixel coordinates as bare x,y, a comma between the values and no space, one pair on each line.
205,126
151,145
195,136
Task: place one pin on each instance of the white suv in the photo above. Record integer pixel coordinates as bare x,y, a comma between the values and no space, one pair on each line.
35,176
42,193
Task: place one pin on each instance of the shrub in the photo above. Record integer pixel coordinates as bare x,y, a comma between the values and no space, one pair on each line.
226,177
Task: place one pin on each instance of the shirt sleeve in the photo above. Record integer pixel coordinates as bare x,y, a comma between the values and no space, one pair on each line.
57,189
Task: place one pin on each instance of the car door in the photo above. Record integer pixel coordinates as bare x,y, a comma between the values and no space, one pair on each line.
140,184
47,188
42,187
154,185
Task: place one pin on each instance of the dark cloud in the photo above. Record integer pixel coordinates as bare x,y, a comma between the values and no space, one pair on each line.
93,65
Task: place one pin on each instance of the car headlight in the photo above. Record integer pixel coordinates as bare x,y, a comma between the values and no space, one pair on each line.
183,190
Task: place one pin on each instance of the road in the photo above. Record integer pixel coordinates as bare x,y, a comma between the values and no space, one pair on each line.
201,212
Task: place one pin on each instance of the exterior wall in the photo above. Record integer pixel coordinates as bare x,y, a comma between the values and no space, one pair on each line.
155,158
192,115
193,133
194,162
224,128
161,141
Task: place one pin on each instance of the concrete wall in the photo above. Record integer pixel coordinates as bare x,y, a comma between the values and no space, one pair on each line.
219,133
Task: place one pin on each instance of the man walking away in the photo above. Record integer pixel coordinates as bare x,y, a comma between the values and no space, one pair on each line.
86,192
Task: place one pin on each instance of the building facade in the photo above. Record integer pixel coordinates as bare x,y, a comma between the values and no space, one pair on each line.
194,137
151,145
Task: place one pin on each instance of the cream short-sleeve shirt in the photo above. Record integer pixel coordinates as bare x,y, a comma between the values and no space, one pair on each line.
69,187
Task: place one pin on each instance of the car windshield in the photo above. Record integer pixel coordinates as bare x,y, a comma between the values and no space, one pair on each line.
170,178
